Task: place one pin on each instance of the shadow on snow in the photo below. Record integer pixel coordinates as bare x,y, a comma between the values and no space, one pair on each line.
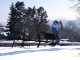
41,50
29,51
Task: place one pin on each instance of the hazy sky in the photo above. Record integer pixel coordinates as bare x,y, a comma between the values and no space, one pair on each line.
56,9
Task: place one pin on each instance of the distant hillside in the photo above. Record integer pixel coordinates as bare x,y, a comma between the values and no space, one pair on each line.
63,22
77,22
4,23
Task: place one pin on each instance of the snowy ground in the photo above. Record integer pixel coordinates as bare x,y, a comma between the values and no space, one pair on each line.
42,53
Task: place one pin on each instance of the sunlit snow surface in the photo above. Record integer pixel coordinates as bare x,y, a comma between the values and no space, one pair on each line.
41,53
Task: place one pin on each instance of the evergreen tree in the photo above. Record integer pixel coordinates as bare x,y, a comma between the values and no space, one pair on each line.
11,23
42,23
23,22
15,17
37,19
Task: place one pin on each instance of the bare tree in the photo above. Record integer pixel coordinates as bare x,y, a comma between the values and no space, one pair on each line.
69,31
76,7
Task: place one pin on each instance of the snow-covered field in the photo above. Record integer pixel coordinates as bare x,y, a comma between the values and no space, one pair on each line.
41,53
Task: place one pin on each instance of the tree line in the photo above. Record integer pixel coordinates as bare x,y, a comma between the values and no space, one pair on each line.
24,22
71,32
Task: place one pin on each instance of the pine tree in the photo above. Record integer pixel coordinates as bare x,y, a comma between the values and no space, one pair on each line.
15,18
37,19
11,23
42,23
23,21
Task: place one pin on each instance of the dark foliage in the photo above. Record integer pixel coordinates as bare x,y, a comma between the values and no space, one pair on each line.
24,23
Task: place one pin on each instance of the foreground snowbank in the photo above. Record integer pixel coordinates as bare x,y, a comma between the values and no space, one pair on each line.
42,53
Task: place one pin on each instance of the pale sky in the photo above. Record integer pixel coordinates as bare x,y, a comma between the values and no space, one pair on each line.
56,9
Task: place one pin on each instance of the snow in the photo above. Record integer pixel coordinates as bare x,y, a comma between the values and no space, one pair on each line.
41,53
